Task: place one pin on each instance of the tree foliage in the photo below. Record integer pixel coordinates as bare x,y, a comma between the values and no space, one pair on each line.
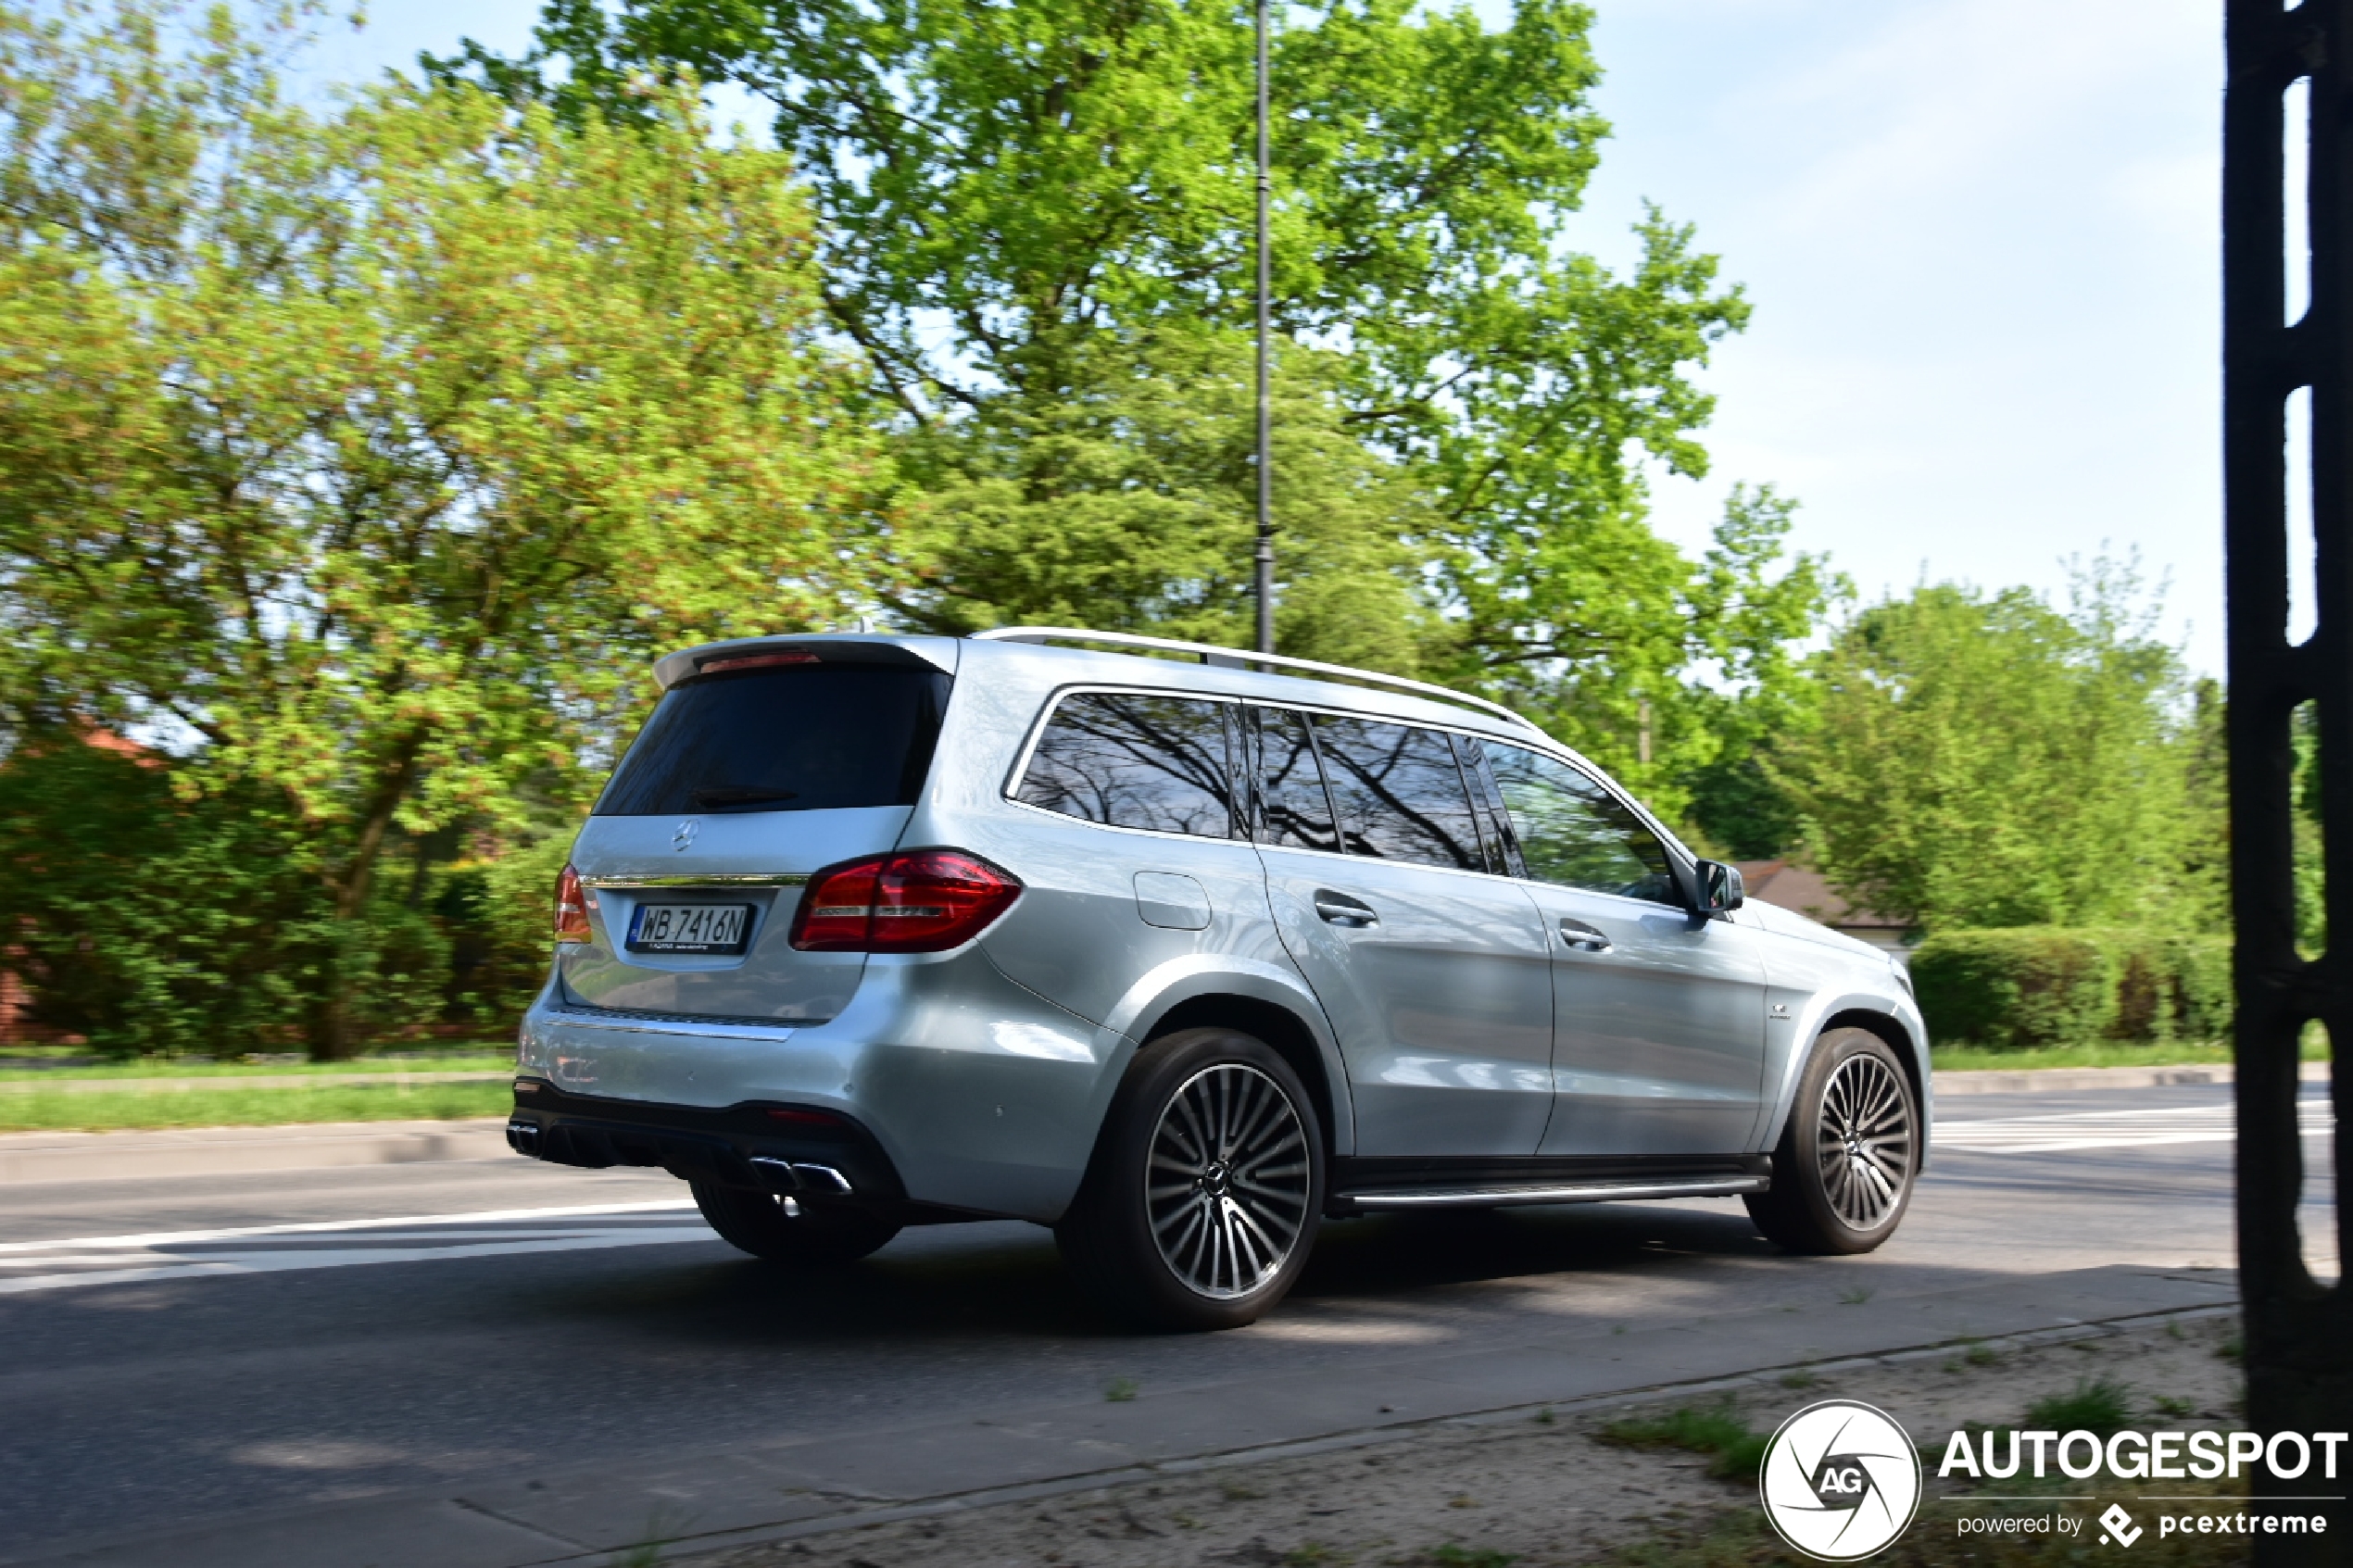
1989,760
1036,220
364,460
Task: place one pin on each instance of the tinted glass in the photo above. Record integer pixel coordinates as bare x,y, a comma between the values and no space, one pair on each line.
1134,761
1294,812
1575,833
799,738
1400,794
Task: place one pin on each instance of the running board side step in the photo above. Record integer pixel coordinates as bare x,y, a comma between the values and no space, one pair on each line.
1497,1197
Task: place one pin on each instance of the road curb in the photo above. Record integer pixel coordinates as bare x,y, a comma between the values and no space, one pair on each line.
2071,1080
154,1155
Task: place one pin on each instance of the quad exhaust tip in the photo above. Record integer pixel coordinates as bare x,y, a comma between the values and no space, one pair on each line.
785,1175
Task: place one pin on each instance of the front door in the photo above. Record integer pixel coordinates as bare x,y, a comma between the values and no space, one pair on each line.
1658,1036
1433,971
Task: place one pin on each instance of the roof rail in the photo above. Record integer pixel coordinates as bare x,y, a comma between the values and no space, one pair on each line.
1239,658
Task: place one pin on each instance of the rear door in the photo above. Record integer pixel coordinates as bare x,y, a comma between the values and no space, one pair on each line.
1658,1036
1432,970
749,775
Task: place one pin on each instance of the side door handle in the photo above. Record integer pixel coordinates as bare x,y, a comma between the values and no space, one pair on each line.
1584,938
1338,909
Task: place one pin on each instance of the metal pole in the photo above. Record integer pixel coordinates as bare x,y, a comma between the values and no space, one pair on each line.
1265,583
2299,1331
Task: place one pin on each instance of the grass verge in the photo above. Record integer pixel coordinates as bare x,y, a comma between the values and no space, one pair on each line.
231,1106
1963,1057
1971,1058
1734,1451
472,1059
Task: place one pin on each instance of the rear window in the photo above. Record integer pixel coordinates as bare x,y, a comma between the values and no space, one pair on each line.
1135,760
799,738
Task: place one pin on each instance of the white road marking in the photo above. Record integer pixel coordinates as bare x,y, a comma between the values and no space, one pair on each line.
479,1216
2068,1131
494,1233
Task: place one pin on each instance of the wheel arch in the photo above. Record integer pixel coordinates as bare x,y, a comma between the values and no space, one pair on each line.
1899,1040
1907,1045
1290,1036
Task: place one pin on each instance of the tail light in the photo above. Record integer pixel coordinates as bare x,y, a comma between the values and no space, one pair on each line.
571,907
920,901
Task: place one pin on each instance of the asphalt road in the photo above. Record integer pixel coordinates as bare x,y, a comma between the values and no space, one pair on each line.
173,1352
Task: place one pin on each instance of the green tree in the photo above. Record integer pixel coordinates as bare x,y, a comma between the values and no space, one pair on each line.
1037,222
1125,504
1988,760
365,458
140,921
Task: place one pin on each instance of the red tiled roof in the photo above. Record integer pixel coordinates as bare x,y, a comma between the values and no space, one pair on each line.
1800,888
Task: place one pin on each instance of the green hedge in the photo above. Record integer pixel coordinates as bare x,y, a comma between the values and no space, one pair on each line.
2050,986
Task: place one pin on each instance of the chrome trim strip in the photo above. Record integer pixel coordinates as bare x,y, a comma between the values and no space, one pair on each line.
671,1024
712,879
1594,1192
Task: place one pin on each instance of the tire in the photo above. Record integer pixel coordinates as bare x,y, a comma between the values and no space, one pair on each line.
1228,1127
759,1224
1843,1171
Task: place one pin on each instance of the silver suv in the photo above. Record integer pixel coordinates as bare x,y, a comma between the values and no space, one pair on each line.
1178,954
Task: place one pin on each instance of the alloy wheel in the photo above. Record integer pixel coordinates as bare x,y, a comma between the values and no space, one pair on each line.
1863,1141
1226,1185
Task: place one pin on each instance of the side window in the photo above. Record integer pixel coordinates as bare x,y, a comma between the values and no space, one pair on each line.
1400,793
1295,812
1573,832
1135,761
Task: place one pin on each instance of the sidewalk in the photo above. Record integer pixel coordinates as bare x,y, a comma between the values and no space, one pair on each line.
743,1494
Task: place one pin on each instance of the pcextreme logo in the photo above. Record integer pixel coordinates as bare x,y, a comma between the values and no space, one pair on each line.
1841,1480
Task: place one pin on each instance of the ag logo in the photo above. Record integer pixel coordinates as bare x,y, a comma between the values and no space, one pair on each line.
2119,1527
683,838
1841,1480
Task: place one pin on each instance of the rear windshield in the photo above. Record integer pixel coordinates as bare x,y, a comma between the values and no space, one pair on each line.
799,738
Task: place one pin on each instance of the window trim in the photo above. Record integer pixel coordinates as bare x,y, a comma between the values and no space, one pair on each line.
1680,861
1053,705
1678,870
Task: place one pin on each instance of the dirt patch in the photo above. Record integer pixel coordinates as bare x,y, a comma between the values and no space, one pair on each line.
1534,1488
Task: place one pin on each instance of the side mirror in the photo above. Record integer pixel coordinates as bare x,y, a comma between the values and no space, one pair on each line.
1720,888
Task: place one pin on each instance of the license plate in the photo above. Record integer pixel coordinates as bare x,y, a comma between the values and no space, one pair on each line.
689,928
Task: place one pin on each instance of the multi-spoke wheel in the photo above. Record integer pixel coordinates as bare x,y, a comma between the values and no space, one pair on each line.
1227,1187
1863,1140
1198,1211
1842,1170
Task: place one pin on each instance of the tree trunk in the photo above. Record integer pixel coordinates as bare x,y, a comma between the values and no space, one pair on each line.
337,1024
2299,1333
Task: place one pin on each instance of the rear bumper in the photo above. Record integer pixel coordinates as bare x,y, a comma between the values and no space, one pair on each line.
806,1151
977,1095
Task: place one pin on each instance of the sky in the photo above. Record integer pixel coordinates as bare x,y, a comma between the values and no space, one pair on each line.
1980,240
